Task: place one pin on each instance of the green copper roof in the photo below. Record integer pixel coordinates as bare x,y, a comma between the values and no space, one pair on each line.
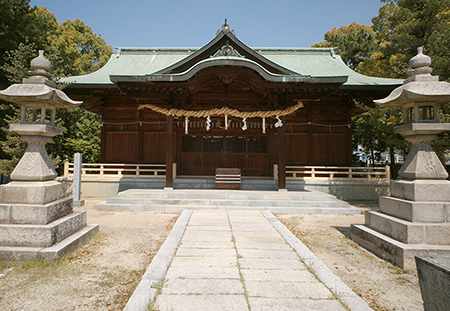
314,62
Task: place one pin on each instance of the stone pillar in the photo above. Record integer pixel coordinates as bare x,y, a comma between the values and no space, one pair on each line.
78,161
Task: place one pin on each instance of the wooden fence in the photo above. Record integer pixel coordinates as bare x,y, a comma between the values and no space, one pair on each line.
338,173
310,173
107,170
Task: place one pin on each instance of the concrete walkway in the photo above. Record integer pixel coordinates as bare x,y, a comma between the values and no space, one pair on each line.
238,260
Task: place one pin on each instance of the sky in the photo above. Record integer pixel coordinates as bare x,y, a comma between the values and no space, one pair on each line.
187,23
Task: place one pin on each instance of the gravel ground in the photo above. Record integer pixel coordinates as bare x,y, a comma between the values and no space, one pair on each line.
102,274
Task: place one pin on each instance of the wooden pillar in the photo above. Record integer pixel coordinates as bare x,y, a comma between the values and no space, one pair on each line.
310,137
103,137
349,137
169,152
141,137
282,155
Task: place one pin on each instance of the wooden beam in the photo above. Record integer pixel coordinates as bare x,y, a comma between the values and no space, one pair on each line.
169,152
282,155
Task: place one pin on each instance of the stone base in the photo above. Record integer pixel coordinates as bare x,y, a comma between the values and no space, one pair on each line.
426,190
35,213
66,246
33,192
409,232
423,211
78,203
42,235
392,250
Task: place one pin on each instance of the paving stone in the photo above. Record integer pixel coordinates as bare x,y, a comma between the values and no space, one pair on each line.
262,253
201,303
216,236
207,244
206,252
286,304
253,239
269,263
204,262
274,289
203,273
301,276
263,245
209,228
273,234
256,229
203,286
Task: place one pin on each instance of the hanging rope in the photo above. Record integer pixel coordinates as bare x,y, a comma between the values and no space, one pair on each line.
222,111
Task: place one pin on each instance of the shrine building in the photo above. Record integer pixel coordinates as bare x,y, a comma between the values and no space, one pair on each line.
226,105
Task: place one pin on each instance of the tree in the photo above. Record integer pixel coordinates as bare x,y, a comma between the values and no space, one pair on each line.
355,43
73,49
384,50
374,128
404,25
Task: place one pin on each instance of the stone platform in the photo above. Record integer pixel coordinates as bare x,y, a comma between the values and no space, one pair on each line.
414,220
45,228
307,201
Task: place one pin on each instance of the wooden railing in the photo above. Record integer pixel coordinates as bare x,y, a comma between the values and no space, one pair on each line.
107,170
337,173
310,173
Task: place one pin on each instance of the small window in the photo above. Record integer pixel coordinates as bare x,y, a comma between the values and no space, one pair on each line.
411,114
213,144
191,144
426,113
257,144
236,144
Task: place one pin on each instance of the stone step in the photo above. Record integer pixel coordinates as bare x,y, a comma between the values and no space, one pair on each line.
66,246
228,202
247,183
275,201
226,194
409,232
180,208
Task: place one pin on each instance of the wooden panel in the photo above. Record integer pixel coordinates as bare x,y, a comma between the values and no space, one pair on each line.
329,149
257,165
121,114
339,154
297,149
154,147
236,160
191,164
321,149
122,147
211,161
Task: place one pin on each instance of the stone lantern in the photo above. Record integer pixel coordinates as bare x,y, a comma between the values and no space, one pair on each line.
420,97
37,220
415,219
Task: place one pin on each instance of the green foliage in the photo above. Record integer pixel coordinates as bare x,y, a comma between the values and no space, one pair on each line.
73,49
384,50
355,43
374,131
11,146
404,25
